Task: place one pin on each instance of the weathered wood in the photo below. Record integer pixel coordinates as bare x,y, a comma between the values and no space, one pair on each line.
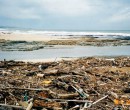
50,71
68,76
31,89
29,106
64,100
47,104
12,106
97,101
114,95
67,96
75,107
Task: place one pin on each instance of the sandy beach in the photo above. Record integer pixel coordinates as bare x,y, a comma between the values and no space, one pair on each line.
28,37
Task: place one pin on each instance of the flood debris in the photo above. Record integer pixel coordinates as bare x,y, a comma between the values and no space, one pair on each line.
93,83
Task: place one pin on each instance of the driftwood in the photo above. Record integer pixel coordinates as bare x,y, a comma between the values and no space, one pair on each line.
67,96
61,84
75,107
65,100
69,76
50,104
62,96
113,94
81,92
29,106
49,71
12,106
31,89
68,85
97,101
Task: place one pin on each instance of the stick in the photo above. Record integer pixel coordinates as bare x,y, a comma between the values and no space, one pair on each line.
97,101
63,100
13,106
29,106
75,107
31,89
60,77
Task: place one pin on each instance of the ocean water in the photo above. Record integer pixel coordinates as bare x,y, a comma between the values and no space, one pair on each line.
70,33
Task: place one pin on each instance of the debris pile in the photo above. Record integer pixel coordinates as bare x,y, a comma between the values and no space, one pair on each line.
92,83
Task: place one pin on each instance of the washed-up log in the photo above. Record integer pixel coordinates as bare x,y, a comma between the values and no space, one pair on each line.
29,106
15,82
40,75
63,96
51,71
23,103
69,76
75,107
125,96
64,70
97,101
68,96
64,100
113,94
81,92
77,72
93,90
13,106
42,94
50,105
31,89
61,84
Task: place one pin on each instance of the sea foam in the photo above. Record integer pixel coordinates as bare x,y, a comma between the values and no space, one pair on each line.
99,34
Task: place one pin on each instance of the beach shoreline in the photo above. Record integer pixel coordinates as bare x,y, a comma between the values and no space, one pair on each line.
30,42
27,37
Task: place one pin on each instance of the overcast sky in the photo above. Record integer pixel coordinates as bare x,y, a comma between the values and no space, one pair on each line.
66,14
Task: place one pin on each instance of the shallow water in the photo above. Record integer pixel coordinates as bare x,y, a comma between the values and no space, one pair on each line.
71,51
